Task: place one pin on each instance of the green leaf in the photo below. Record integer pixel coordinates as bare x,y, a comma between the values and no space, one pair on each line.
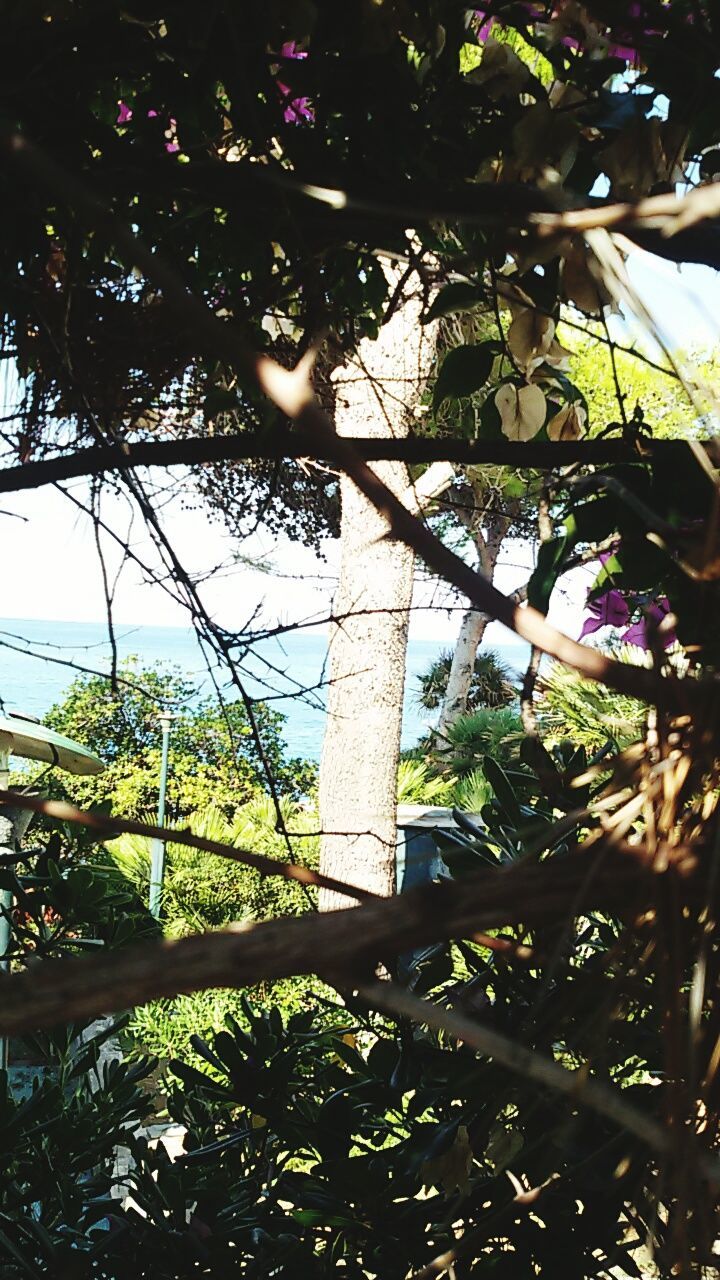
597,519
316,1218
551,557
454,297
503,789
465,370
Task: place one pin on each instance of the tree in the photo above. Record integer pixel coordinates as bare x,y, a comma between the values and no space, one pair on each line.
491,685
214,761
358,787
262,187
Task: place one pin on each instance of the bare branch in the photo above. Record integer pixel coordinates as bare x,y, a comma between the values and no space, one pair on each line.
537,455
107,828
343,945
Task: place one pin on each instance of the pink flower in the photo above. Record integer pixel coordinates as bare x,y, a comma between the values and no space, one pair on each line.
124,113
296,109
609,610
639,633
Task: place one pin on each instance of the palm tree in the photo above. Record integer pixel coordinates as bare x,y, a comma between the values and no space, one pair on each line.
491,684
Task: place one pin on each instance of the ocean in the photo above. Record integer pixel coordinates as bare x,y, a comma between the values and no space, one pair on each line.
32,682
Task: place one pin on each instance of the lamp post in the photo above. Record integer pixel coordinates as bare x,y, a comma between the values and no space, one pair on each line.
25,737
157,849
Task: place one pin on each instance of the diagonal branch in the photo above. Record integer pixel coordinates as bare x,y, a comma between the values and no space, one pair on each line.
106,828
342,945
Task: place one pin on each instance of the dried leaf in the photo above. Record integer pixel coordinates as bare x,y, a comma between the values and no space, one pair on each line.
501,72
529,338
451,1170
522,410
578,283
503,1145
645,153
558,356
570,423
546,144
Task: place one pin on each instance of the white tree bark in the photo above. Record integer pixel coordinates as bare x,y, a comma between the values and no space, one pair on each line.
472,630
472,627
376,393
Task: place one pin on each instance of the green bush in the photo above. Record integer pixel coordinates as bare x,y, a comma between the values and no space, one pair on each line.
490,731
213,756
586,712
205,891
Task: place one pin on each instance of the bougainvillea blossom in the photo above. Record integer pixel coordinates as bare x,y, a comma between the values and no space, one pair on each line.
613,609
640,632
299,109
125,115
609,610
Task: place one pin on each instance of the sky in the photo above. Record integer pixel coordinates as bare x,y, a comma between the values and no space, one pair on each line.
51,567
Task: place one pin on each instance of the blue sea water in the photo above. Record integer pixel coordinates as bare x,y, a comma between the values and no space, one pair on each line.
33,682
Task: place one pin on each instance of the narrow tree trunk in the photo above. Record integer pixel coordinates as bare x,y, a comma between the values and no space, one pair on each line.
472,630
358,772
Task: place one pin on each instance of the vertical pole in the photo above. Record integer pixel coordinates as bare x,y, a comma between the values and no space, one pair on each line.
157,849
6,900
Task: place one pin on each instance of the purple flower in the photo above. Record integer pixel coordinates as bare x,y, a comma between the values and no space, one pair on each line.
296,109
290,50
639,633
609,610
124,113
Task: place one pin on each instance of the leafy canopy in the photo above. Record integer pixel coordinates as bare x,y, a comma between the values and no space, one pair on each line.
213,756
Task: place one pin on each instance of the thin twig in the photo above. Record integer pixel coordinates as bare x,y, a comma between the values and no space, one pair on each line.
108,827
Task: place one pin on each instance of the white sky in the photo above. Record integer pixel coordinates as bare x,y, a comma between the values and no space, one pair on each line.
51,568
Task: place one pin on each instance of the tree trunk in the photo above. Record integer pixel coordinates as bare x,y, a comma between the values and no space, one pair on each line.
472,627
358,774
472,630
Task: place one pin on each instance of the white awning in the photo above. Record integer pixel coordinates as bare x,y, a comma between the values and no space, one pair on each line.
22,736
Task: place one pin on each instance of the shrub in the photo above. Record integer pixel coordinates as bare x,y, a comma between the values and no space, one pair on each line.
213,757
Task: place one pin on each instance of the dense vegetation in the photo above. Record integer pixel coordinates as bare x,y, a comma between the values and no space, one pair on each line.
208,216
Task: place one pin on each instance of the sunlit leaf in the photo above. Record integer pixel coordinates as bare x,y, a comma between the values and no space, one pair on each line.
522,410
529,338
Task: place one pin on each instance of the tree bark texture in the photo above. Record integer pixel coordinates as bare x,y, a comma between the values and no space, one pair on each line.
472,630
376,392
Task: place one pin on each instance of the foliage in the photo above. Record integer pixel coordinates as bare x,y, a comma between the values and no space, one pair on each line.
587,713
488,731
654,516
330,1139
433,97
665,406
491,683
65,905
334,1141
376,1162
204,891
213,757
418,784
360,1145
57,1155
